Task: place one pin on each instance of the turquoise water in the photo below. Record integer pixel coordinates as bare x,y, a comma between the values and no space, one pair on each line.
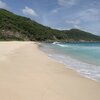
81,57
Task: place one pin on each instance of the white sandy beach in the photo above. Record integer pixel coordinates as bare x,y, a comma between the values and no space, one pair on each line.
26,73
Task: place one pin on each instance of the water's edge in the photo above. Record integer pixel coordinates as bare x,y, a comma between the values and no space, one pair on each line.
54,57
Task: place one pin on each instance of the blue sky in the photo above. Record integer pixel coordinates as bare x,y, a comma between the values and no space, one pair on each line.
59,14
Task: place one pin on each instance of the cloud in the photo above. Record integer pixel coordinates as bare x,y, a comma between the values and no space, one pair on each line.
67,2
29,11
72,21
54,11
77,26
3,4
91,14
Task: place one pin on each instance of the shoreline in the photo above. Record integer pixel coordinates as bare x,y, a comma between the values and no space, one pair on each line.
28,73
82,75
60,58
69,67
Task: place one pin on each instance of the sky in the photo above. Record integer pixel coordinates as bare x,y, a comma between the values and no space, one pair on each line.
59,14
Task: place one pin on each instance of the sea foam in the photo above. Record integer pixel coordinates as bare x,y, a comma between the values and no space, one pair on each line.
61,53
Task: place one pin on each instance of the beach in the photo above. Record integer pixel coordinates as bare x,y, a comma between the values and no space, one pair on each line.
27,73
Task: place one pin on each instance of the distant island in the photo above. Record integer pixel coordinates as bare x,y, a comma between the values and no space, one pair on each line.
14,27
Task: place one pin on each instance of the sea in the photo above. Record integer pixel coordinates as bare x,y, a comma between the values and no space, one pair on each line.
83,58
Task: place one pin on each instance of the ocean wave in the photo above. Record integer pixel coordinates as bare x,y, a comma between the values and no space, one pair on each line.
55,42
85,69
78,47
61,45
87,62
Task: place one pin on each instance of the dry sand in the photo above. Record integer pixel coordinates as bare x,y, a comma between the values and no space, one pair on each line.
26,73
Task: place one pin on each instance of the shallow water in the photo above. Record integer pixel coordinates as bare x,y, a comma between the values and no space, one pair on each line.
81,57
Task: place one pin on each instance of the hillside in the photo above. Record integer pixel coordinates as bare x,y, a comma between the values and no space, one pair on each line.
14,27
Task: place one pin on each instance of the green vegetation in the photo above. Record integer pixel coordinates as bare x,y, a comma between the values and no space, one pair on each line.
14,27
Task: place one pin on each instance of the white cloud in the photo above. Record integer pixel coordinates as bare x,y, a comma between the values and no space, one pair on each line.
29,11
67,2
91,14
73,22
54,11
77,26
3,4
